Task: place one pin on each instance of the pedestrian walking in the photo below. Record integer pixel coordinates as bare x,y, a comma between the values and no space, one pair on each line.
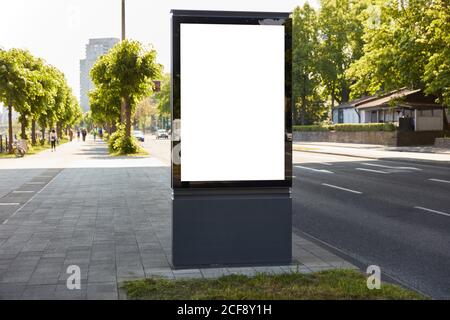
70,135
53,140
84,134
78,134
94,133
100,133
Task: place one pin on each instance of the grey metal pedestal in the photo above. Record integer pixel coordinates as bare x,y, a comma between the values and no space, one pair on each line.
231,227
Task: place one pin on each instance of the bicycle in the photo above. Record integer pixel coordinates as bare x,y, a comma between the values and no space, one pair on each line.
19,151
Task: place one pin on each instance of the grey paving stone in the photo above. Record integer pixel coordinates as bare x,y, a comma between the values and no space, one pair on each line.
247,271
214,272
11,291
114,223
102,291
269,270
105,272
39,292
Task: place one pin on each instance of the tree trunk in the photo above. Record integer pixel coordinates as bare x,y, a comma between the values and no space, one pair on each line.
23,124
123,110
303,111
58,130
43,134
33,132
128,119
10,129
333,94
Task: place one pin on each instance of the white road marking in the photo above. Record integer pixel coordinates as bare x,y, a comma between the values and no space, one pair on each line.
439,180
326,163
9,204
340,188
31,199
4,222
390,167
434,211
371,170
315,170
22,191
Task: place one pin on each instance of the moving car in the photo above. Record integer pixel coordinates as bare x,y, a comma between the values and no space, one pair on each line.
139,135
162,134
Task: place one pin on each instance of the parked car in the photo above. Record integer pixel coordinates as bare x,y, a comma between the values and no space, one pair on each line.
139,135
162,134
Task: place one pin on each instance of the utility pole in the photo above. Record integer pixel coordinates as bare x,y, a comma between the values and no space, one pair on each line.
123,20
123,105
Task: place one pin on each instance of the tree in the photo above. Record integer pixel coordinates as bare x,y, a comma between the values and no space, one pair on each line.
13,85
437,37
128,70
395,49
105,107
305,74
37,91
341,29
144,110
163,97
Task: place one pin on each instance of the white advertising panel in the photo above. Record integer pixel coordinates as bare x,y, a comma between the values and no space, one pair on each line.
232,102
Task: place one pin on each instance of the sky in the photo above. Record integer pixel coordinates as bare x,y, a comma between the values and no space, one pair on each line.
58,30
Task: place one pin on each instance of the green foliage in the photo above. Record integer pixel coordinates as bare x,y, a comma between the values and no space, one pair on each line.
121,144
325,43
308,128
347,127
348,49
123,77
341,30
308,107
407,47
163,97
37,91
363,127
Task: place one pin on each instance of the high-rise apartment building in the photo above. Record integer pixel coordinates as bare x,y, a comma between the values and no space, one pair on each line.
94,49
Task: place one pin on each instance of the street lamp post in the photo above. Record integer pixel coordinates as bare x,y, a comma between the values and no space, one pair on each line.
123,20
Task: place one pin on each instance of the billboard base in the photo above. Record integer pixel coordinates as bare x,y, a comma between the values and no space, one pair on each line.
231,227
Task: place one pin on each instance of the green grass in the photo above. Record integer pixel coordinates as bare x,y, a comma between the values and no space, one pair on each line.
36,149
347,127
325,285
6,155
141,153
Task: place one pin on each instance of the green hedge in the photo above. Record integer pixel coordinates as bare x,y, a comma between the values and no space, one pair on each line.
310,128
347,127
364,127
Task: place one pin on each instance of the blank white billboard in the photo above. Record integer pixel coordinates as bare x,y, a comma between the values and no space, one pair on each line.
232,102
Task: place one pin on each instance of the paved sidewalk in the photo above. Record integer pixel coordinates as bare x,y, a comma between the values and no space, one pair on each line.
420,154
111,217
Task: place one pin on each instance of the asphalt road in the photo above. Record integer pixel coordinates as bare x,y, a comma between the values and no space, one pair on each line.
391,214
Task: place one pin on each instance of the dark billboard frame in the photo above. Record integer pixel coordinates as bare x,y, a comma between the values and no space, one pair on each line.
235,18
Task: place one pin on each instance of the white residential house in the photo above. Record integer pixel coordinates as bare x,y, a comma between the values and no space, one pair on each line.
409,109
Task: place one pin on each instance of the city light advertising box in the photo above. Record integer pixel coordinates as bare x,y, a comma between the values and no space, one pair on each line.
232,100
231,137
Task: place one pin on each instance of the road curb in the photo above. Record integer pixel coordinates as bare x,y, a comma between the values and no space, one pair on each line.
445,164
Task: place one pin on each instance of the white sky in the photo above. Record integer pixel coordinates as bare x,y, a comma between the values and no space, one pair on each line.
58,30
